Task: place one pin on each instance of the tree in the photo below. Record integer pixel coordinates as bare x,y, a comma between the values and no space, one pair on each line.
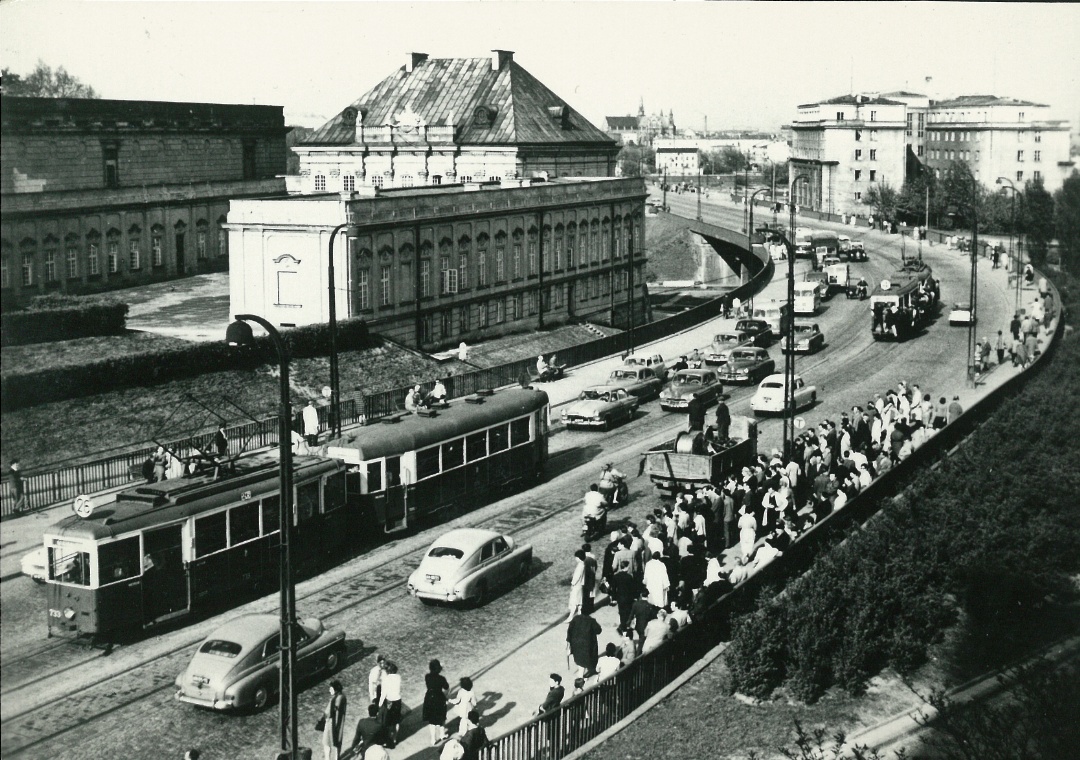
918,192
636,160
1067,222
43,82
1036,220
883,200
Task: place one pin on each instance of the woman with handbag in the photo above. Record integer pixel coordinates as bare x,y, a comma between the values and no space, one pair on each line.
332,722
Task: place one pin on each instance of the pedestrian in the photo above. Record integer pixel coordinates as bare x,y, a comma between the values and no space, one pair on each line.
657,581
656,632
375,680
390,703
589,584
18,490
311,423
161,462
999,345
452,750
1031,346
640,614
464,702
463,352
369,732
984,355
696,415
554,696
955,410
747,533
475,739
577,583
221,441
582,644
333,721
434,712
623,588
412,400
175,468
723,421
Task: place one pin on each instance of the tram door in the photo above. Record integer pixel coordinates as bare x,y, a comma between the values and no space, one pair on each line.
396,511
165,589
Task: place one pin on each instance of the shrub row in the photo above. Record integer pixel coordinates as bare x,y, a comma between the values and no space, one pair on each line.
989,532
19,390
60,317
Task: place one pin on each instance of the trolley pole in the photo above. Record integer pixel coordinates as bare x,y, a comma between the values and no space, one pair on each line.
787,325
750,239
335,379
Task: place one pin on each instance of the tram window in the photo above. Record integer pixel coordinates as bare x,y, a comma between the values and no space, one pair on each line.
307,501
476,446
210,534
453,454
334,492
374,477
271,515
519,432
427,463
68,566
243,523
119,560
499,438
393,472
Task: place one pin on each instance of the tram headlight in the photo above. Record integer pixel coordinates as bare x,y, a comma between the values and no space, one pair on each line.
69,614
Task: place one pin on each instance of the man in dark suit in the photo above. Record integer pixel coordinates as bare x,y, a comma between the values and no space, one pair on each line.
554,696
368,731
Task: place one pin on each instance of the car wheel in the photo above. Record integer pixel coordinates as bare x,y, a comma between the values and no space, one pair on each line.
333,661
813,400
261,697
481,594
427,602
524,570
607,424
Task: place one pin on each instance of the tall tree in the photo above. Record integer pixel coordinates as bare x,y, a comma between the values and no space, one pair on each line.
883,200
1067,222
1037,220
44,82
959,194
636,160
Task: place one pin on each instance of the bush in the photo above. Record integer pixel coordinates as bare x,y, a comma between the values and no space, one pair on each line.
60,317
39,386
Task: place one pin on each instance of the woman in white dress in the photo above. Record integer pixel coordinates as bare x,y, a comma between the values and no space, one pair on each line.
747,533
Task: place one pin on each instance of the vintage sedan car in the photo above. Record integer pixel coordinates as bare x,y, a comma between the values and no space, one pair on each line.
760,331
33,564
236,666
858,251
723,343
637,381
655,362
691,383
961,314
747,365
467,564
601,407
769,398
808,338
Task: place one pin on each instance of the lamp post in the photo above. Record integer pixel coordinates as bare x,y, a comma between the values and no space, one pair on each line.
1012,227
750,238
787,326
974,290
699,194
335,380
239,333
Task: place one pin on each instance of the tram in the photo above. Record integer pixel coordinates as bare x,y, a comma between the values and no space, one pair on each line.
165,550
904,302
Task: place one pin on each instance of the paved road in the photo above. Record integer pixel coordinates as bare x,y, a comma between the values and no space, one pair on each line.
511,643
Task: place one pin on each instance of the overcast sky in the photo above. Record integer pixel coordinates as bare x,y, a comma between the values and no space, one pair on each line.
741,65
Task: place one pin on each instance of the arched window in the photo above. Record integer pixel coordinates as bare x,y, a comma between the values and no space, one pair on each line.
558,253
500,256
202,251
134,248
51,258
362,268
518,235
481,259
222,237
71,247
463,264
571,242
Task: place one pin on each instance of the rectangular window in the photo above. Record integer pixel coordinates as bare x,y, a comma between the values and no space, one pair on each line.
873,175
910,119
500,311
476,446
858,174
307,501
113,256
384,286
519,431
839,115
50,265
858,155
288,289
119,561
92,264
1020,176
873,154
482,316
243,523
558,252
377,180
110,153
463,319
374,476
1037,175
481,268
517,260
920,151
348,183
453,454
320,183
334,492
427,463
500,265
363,289
449,276
69,565
873,116
271,515
200,244
1019,155
858,196
532,257
156,256
1038,155
210,534
1038,137
557,295
976,155
425,278
134,255
498,438
248,159
72,262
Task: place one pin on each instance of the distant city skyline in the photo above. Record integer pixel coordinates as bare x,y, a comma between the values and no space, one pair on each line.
738,65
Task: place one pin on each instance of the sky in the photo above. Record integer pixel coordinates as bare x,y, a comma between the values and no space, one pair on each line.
736,65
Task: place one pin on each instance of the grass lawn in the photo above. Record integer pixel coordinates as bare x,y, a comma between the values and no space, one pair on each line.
72,352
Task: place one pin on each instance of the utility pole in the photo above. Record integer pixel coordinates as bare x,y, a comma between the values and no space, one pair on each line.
699,194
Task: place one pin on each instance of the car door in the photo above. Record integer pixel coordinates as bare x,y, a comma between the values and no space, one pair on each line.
500,566
307,664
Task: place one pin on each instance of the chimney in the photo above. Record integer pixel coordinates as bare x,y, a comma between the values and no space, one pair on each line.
500,59
415,59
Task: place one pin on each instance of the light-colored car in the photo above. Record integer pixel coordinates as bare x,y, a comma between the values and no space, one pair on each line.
236,666
769,397
747,365
808,338
34,563
688,384
655,362
961,314
601,407
723,343
466,565
637,381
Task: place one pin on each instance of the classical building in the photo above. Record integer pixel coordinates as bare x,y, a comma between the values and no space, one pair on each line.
844,146
432,266
438,121
641,129
101,194
999,137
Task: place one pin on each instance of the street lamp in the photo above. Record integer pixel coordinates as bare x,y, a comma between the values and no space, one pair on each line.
974,290
788,328
1012,227
239,334
699,194
750,237
335,380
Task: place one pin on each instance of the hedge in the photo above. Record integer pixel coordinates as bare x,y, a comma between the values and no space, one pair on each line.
60,317
988,534
19,390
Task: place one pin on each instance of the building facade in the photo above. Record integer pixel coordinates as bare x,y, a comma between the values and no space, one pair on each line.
433,266
102,194
844,146
453,120
641,129
682,155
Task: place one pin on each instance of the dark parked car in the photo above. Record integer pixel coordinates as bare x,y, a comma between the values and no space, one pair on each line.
759,330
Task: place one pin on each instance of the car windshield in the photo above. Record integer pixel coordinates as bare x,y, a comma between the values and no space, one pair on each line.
634,361
804,328
772,384
688,380
743,356
446,551
589,395
726,338
623,374
221,648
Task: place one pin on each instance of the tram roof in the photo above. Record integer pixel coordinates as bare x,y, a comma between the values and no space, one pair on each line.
415,431
903,281
151,504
